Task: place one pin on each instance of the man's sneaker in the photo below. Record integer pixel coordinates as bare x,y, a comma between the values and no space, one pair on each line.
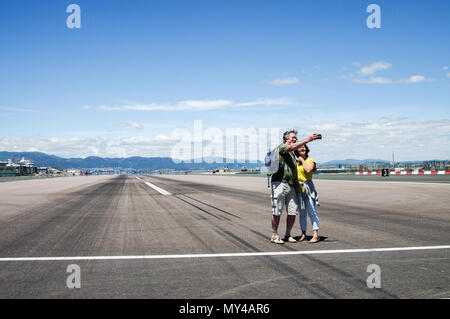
290,239
276,239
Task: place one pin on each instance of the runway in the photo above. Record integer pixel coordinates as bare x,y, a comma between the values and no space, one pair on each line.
208,237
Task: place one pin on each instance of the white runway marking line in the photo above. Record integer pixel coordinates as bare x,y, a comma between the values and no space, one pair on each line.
158,189
138,177
256,254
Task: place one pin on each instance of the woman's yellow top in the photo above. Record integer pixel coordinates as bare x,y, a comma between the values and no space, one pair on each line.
301,174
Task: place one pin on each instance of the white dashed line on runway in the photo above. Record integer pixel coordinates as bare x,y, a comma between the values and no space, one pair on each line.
158,189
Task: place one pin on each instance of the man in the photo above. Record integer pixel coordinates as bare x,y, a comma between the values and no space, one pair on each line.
283,185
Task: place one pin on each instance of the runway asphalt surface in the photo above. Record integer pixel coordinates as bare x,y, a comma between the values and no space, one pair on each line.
169,235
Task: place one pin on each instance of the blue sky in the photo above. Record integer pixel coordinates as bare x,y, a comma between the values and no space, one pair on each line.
137,70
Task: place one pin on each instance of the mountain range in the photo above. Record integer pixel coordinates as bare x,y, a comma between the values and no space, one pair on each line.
138,162
354,162
135,162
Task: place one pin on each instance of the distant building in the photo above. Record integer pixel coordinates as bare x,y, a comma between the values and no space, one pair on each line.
22,168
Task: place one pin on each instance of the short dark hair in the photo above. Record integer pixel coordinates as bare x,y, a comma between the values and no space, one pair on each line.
286,135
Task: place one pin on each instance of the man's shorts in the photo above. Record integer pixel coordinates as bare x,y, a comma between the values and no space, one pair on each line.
284,194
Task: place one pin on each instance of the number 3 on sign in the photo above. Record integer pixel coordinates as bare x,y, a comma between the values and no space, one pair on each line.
74,19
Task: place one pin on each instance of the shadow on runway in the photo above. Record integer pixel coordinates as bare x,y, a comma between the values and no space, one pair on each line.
308,238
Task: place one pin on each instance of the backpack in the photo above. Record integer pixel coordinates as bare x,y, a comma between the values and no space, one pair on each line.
272,163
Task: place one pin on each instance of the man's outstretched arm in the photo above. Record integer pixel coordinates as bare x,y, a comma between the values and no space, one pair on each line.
297,145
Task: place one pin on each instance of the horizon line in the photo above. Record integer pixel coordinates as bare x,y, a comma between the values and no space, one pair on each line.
235,160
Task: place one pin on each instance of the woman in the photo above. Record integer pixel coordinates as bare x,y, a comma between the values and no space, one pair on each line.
307,195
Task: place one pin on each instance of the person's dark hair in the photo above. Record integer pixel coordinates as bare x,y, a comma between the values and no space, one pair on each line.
286,135
297,152
307,150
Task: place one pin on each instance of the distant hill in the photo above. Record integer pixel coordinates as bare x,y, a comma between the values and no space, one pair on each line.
138,162
135,162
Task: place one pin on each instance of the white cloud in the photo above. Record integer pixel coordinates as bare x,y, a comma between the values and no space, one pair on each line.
373,68
366,72
130,123
382,80
182,105
389,119
448,75
284,81
410,140
203,104
266,101
162,137
374,80
445,68
103,146
414,79
195,105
